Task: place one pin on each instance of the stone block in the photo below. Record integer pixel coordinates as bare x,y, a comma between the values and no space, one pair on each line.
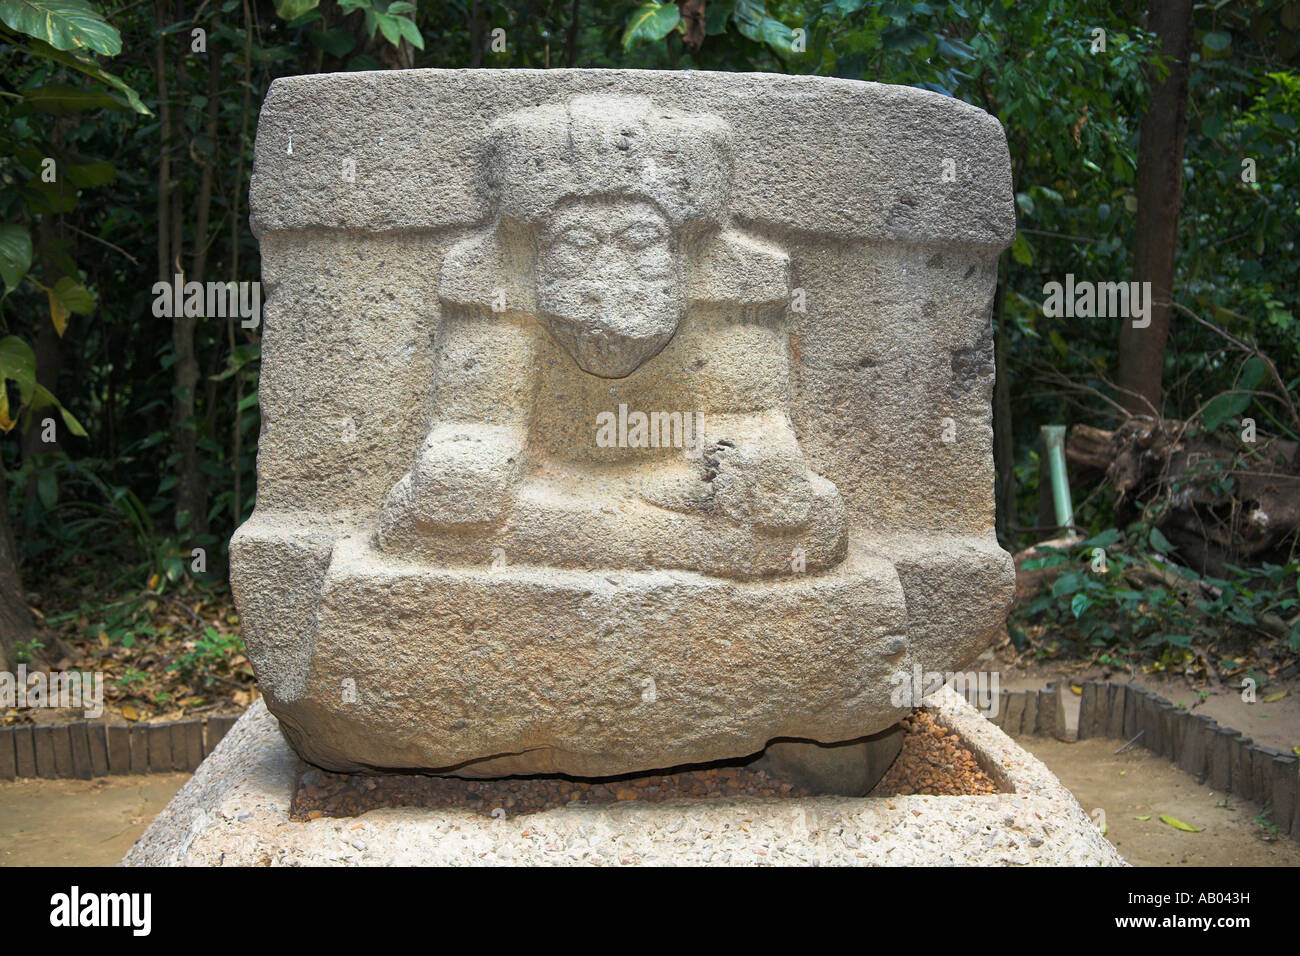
656,431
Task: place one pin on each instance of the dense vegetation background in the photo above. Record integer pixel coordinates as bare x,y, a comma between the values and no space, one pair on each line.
1155,145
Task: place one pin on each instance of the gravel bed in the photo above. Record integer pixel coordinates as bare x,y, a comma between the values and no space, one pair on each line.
932,761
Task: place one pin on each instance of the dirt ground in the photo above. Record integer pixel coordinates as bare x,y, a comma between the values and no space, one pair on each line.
79,822
1137,784
94,822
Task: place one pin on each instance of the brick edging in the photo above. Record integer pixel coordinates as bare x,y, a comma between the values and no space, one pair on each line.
86,749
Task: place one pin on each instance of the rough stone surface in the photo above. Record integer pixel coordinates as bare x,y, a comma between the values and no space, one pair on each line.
849,768
235,812
614,420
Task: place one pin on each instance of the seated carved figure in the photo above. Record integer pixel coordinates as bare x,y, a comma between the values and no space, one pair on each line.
610,279
642,379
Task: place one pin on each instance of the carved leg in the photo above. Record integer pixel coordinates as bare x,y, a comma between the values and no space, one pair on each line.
463,477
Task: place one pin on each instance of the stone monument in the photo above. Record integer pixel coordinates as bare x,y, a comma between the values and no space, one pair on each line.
617,420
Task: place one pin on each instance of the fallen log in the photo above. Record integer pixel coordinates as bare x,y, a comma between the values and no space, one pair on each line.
1222,500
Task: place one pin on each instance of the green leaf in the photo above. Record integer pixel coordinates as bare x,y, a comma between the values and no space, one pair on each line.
47,489
70,420
748,15
1022,251
43,398
1218,41
74,296
905,38
91,69
15,255
955,49
389,28
1253,372
1103,540
1079,604
716,16
1159,542
1178,824
86,175
1222,409
18,365
337,42
293,9
777,35
306,20
43,197
410,32
651,22
61,100
1067,584
63,24
1017,635
1226,407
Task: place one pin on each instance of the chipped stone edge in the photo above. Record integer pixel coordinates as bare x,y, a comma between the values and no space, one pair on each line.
234,811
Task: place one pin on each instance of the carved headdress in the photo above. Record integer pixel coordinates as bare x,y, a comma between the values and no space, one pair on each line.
593,146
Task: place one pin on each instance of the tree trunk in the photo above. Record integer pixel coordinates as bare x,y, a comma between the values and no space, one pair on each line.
477,33
202,218
164,135
47,345
190,501
203,212
1159,193
235,220
48,350
571,40
16,625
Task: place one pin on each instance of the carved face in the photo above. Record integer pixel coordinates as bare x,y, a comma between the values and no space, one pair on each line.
609,283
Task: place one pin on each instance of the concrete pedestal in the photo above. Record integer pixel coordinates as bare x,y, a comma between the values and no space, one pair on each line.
235,811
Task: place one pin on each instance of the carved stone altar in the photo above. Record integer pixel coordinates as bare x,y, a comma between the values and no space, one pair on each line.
617,420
